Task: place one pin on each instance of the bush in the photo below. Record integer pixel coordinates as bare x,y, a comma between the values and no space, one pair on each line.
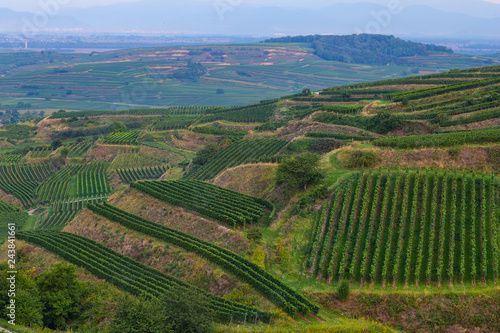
61,295
361,159
300,170
139,316
343,291
254,234
206,153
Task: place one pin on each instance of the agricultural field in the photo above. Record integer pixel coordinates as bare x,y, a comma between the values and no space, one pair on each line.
21,180
128,274
122,138
244,151
238,75
7,208
388,188
135,174
79,149
409,227
246,114
10,158
61,213
229,207
135,160
270,287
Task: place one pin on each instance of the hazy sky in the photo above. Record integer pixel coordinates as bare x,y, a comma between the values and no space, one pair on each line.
453,5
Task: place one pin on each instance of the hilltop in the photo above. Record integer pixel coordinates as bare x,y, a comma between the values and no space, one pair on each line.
209,75
265,209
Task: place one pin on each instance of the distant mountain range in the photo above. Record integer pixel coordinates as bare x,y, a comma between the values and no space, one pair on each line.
207,17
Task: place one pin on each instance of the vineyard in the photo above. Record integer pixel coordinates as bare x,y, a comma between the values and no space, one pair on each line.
407,227
7,208
61,213
174,122
10,158
441,140
91,181
19,173
79,149
266,284
57,187
130,275
175,111
41,152
132,175
218,131
215,202
246,114
345,109
76,181
421,93
122,138
21,180
340,136
135,160
236,154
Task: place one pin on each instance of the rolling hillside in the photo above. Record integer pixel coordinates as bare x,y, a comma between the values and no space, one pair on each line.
403,202
207,75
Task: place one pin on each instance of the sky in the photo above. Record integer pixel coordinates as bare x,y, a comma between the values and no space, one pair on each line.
35,5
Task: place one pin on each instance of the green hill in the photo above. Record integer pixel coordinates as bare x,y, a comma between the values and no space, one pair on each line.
265,209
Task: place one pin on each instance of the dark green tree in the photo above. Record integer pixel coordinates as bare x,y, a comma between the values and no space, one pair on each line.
118,126
300,170
361,159
56,144
140,316
187,311
178,310
343,291
28,305
61,294
204,154
64,152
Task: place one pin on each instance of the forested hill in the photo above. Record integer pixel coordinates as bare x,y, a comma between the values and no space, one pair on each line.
364,48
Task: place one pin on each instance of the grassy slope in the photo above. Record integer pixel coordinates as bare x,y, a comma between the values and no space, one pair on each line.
282,250
246,73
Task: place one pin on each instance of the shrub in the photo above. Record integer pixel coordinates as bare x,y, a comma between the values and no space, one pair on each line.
343,291
361,159
254,234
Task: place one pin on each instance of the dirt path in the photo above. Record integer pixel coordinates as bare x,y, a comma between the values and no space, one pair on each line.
30,213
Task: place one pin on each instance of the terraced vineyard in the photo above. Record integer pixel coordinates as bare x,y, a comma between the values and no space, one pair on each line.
132,175
24,172
178,110
246,114
41,152
174,122
128,274
236,154
91,181
21,180
215,202
122,138
339,136
10,158
79,149
7,207
219,131
61,213
266,284
135,160
410,228
57,187
442,140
